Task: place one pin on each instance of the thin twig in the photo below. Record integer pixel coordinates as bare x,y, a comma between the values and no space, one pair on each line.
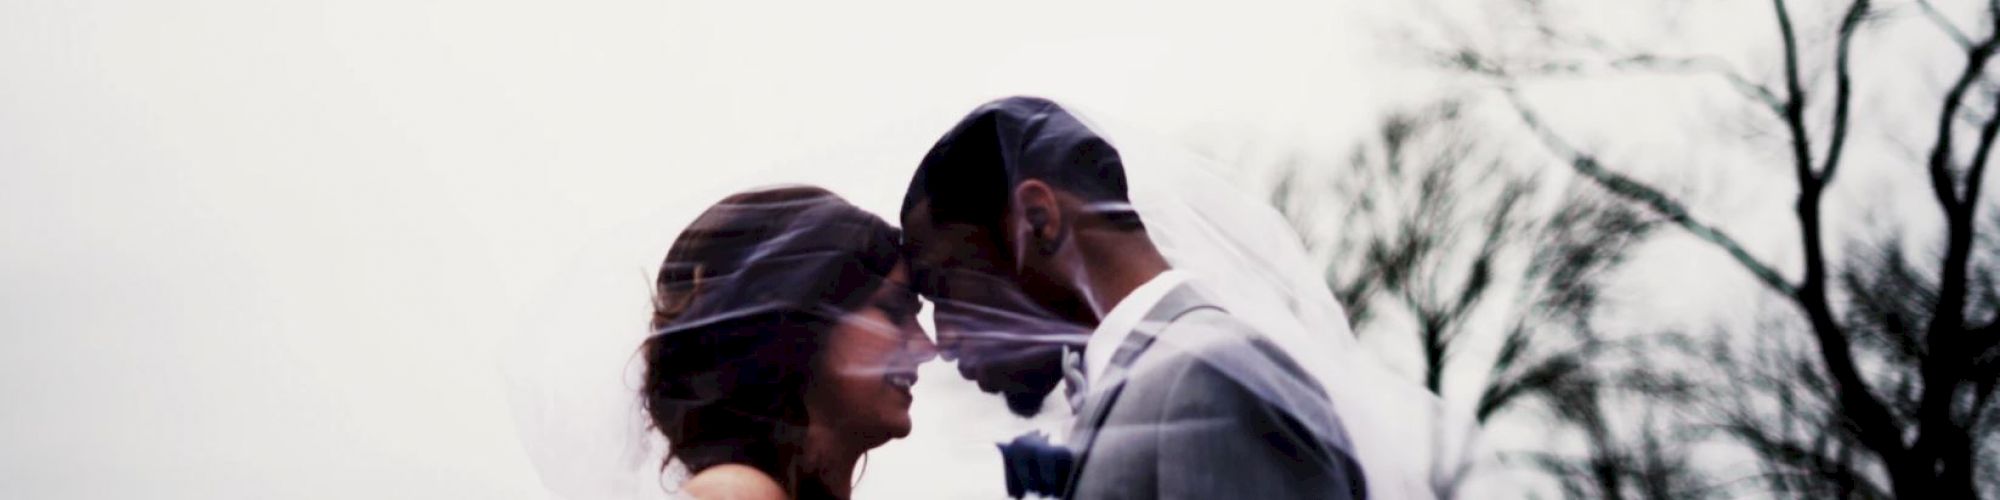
1705,64
1470,61
1666,206
1944,23
1843,89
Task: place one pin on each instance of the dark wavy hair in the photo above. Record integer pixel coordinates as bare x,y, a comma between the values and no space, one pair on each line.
742,308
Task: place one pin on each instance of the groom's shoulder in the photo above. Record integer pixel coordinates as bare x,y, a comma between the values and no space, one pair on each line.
1214,335
1212,341
1209,360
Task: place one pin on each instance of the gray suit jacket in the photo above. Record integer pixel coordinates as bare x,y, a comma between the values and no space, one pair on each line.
1196,405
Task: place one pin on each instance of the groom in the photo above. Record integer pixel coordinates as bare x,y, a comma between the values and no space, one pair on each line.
1021,231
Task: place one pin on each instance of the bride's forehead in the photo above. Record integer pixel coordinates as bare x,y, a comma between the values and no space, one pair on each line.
899,275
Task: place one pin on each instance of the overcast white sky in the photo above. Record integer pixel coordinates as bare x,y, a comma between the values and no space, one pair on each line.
275,250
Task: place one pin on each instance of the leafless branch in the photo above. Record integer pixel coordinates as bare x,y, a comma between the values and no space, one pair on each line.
1795,98
1940,164
1705,64
1471,61
1980,345
1659,202
1946,369
1944,23
1800,459
1975,177
1872,418
1843,90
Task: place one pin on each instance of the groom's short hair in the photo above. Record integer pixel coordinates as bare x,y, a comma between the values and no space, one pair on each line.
969,175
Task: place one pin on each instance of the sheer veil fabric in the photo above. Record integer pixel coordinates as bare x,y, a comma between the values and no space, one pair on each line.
574,372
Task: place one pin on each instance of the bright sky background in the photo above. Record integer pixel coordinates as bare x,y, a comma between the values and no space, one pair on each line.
276,250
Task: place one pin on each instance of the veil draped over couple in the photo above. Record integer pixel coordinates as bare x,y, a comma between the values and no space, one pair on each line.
1198,346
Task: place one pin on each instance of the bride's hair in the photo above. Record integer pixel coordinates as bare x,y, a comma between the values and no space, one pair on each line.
742,308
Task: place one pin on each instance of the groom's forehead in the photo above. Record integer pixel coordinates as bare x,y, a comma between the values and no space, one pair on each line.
951,245
944,242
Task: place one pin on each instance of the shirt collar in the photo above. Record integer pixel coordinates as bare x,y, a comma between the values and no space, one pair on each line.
1122,319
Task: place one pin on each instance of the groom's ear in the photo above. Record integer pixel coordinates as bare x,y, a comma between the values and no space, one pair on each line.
1041,215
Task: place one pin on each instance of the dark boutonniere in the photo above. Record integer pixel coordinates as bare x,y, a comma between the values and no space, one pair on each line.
1034,465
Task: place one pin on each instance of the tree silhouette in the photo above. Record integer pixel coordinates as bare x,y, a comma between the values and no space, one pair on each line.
1889,393
1433,231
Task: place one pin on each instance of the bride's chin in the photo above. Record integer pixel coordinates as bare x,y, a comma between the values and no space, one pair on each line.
883,430
901,429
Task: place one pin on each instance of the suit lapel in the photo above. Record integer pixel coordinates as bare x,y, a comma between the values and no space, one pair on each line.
1097,404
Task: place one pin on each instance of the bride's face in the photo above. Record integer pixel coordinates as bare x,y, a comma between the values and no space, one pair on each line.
869,365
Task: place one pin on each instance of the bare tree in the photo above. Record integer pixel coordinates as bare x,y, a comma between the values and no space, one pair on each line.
1905,347
1433,233
1424,215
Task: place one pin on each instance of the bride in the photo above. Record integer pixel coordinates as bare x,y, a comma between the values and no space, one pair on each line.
785,344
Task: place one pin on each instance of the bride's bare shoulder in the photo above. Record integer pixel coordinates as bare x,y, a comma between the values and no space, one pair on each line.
733,482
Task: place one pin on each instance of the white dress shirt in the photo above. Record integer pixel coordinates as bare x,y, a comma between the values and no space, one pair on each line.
1118,323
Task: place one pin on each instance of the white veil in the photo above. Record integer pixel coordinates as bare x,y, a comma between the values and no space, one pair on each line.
1241,250
573,372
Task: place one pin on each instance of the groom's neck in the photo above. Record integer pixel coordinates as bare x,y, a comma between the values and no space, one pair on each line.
1115,264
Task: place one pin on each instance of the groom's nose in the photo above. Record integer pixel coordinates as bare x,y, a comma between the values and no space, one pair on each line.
947,343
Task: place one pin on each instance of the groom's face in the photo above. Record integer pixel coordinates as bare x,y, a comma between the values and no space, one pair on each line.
999,336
